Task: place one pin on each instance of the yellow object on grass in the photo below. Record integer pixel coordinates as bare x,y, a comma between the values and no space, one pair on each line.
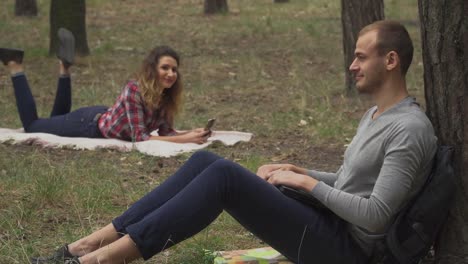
265,255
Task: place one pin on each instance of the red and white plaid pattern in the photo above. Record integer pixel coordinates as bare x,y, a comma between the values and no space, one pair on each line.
129,119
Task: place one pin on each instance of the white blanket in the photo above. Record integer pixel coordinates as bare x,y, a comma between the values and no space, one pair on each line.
150,147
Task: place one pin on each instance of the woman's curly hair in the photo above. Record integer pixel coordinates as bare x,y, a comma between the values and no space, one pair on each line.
168,101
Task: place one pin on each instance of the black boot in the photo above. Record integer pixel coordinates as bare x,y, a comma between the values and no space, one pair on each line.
7,55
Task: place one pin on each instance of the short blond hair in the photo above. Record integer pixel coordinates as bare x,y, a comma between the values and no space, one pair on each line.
392,36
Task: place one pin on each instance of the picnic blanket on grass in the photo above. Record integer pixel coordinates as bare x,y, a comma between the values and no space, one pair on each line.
150,147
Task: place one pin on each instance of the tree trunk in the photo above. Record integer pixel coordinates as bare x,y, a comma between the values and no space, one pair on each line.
72,16
355,14
25,8
280,1
216,6
444,35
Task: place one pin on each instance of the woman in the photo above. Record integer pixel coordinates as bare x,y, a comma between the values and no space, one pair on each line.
148,103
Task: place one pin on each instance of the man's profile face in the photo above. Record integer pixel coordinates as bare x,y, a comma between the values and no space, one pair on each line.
368,67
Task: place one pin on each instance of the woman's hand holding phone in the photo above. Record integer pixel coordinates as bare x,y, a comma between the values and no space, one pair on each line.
198,136
209,125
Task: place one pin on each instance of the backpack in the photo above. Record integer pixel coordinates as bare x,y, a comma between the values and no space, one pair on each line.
415,229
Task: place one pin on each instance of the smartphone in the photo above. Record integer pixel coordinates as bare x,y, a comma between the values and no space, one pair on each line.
210,124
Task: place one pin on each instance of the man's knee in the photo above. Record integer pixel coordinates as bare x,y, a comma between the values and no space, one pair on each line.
227,167
204,155
231,175
224,163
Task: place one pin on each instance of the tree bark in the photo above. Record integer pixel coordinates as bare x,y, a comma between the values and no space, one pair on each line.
25,8
216,6
355,14
444,35
72,16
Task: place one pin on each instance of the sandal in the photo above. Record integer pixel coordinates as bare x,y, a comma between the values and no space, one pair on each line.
61,255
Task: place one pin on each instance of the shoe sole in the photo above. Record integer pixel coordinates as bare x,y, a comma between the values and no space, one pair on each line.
66,49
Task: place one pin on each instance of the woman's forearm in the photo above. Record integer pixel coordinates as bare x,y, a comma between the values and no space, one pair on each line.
175,139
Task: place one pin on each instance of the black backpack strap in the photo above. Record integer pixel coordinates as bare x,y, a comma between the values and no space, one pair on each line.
382,255
408,239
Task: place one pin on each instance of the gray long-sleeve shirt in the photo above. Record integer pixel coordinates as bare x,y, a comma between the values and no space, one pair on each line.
385,165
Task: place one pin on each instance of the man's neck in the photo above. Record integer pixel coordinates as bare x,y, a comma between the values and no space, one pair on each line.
391,93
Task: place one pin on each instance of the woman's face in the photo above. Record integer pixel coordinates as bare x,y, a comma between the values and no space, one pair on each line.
167,71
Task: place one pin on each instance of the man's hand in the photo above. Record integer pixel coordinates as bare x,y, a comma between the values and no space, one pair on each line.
287,174
265,171
292,179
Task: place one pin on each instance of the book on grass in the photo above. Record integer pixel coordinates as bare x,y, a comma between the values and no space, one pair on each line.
266,255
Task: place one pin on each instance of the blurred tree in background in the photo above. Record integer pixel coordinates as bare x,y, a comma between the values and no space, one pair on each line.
355,14
216,6
72,16
25,8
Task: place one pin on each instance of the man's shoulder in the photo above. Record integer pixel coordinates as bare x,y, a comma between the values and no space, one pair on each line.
404,121
412,126
413,119
413,130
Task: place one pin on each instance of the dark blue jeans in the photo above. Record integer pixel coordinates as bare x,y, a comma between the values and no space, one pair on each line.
206,185
79,123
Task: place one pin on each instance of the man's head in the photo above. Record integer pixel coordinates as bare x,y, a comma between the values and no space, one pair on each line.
383,47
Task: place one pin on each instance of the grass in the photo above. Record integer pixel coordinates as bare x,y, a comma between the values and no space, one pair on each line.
273,70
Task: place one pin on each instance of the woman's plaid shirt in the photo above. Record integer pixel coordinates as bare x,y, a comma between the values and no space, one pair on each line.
129,119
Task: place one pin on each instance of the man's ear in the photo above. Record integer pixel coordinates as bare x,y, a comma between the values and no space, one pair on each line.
392,60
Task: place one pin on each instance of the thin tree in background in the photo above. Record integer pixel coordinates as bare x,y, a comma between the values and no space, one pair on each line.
355,14
444,36
25,8
215,6
72,16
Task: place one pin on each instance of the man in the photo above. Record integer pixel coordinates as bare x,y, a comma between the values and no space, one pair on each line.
391,155
383,168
